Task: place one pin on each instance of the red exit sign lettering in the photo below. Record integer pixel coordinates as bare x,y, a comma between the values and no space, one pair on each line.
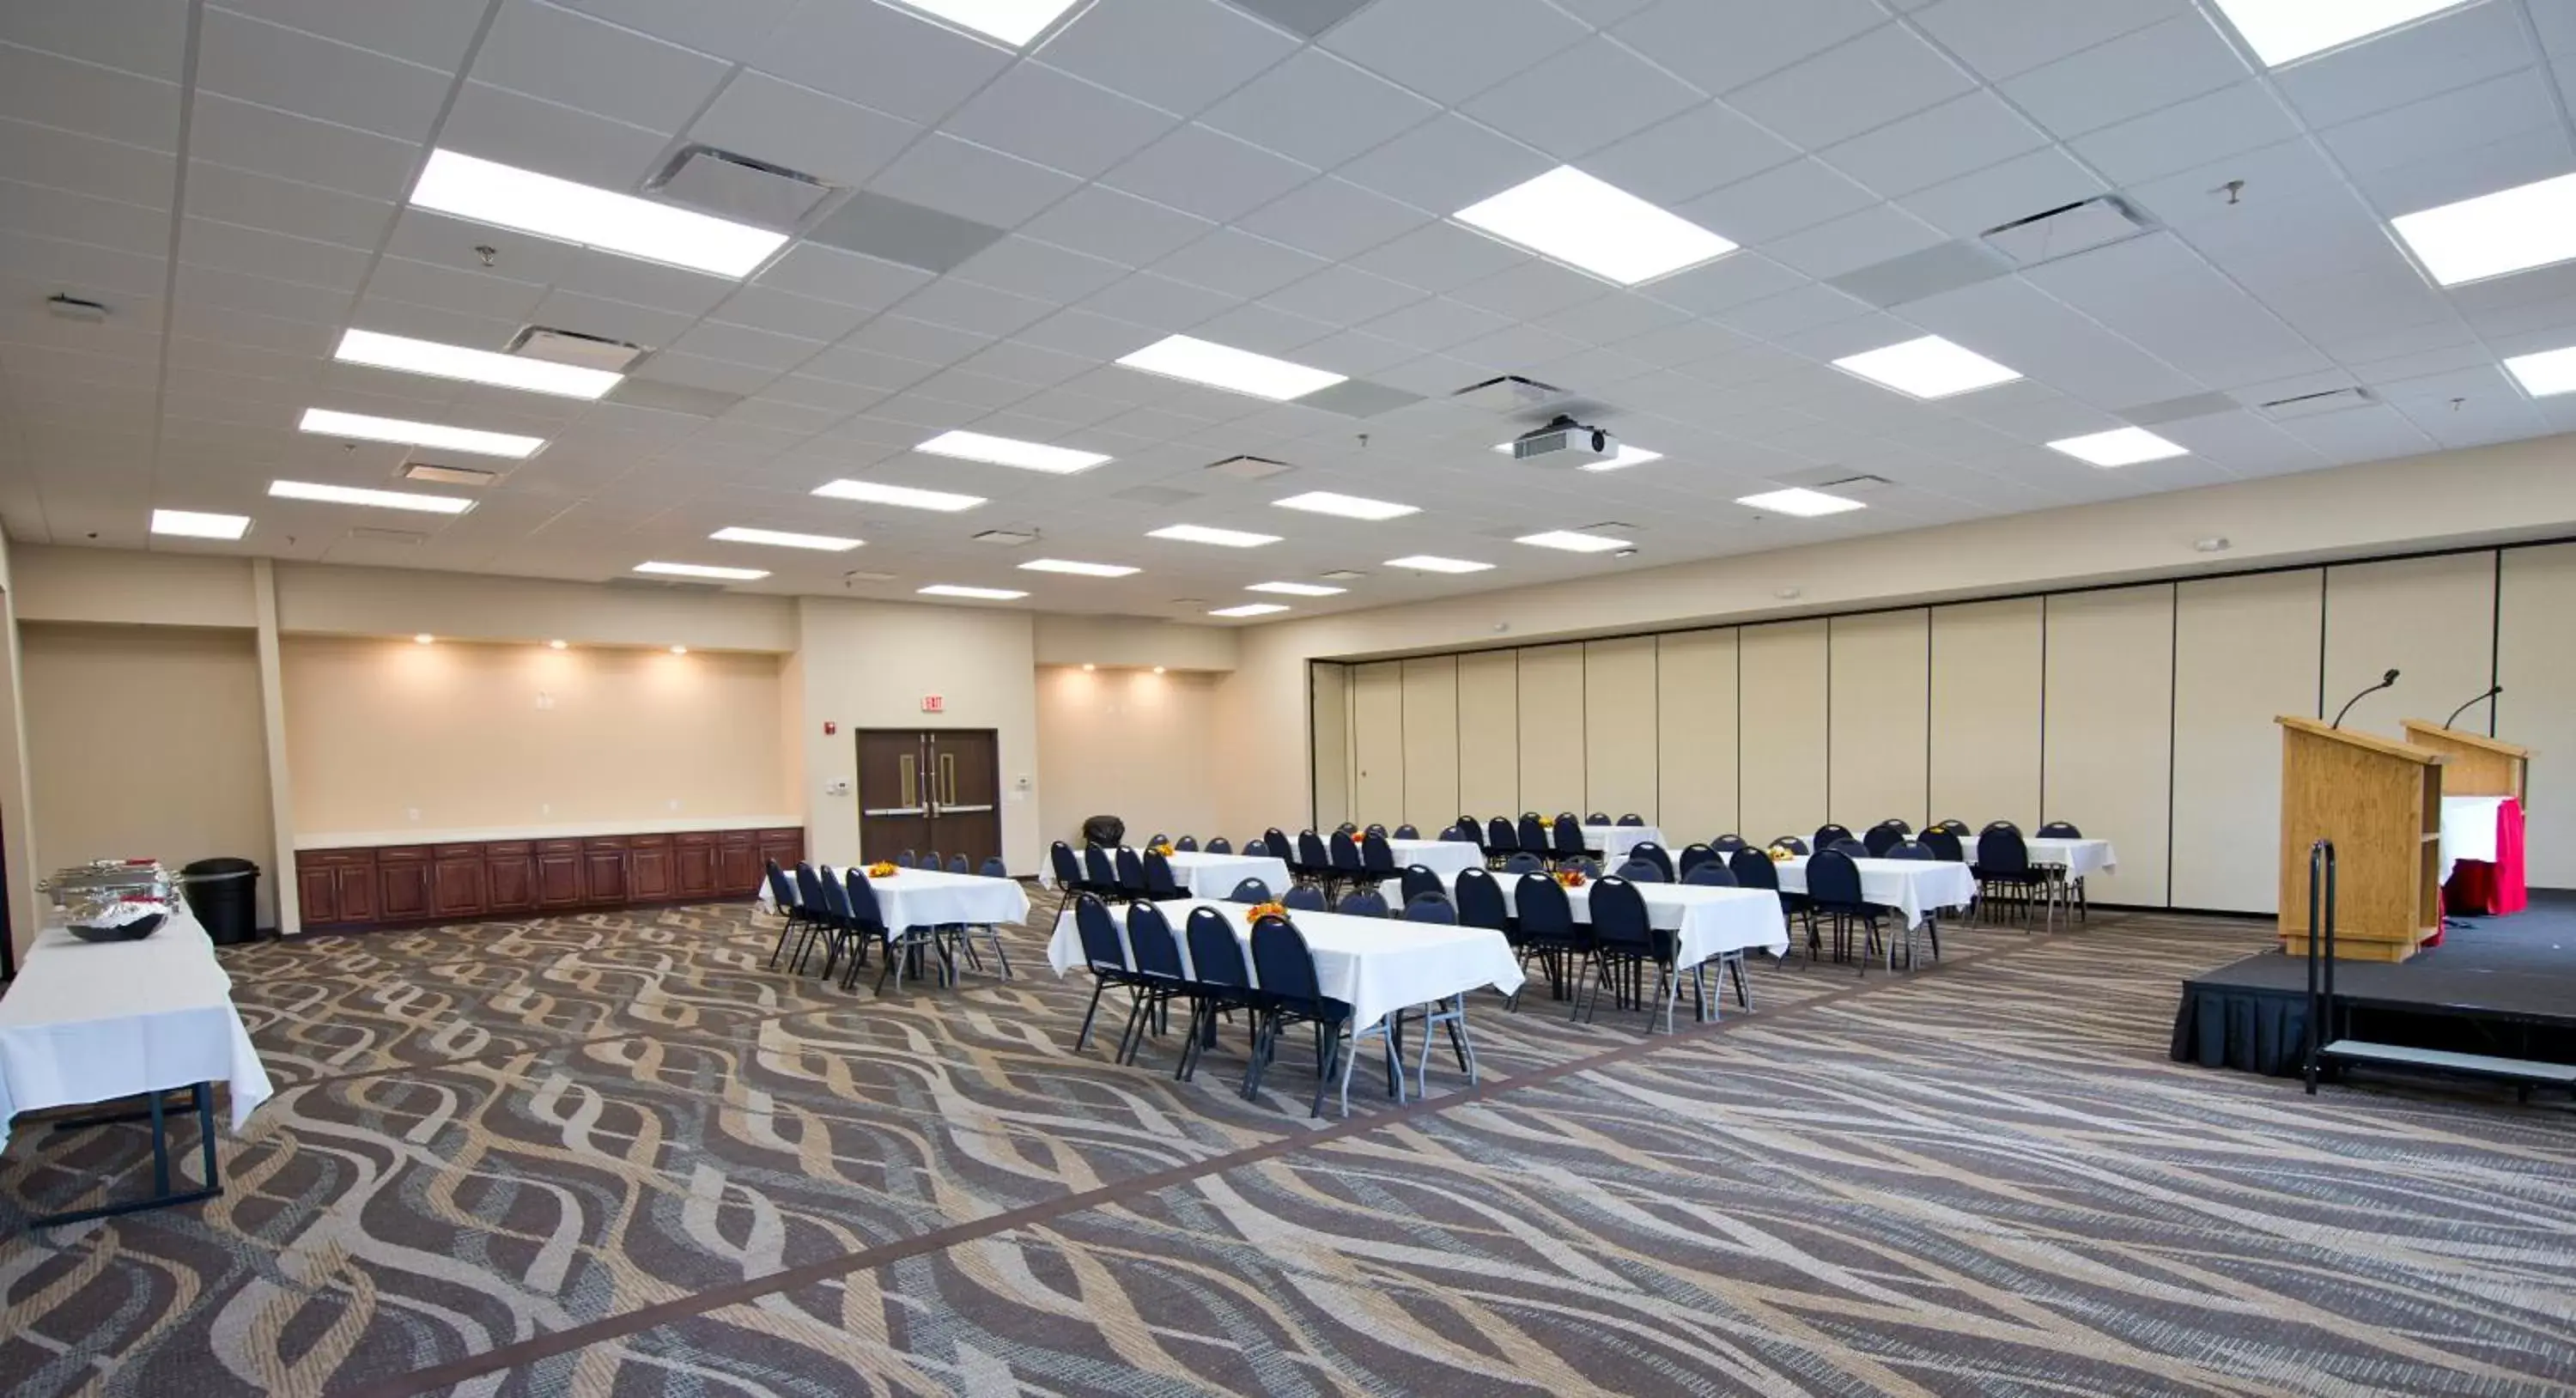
934,703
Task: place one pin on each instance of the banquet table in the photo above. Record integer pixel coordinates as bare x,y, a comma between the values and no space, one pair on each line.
100,1021
2064,859
1443,857
931,898
1375,965
1614,841
1914,887
1215,875
1708,921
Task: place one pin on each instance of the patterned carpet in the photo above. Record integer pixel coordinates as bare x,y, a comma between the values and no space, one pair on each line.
615,1154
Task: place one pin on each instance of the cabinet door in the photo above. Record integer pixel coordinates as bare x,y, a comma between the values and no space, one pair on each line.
317,887
354,892
696,860
784,847
509,882
650,877
738,868
457,885
603,874
559,878
402,889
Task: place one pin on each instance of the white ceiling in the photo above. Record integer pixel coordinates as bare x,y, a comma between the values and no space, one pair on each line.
229,177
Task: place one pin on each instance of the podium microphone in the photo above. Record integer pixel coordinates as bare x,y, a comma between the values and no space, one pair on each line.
2464,708
2384,682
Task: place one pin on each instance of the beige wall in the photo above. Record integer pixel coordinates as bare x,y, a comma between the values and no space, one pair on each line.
387,736
151,745
17,817
1880,744
1133,642
2107,766
1128,743
2245,651
118,586
2536,650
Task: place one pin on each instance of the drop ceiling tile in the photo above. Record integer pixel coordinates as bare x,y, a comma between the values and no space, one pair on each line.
1721,45
1865,83
1450,50
2001,38
1355,352
2467,45
1689,155
880,57
54,91
906,337
1038,113
263,201
67,160
1731,280
1446,164
1239,264
780,123
270,142
82,218
1143,298
1179,55
643,283
232,247
144,37
1592,94
1342,295
1957,137
1103,223
1871,236
2536,154
2015,189
696,371
1026,364
468,293
1440,257
1041,270
496,123
1532,289
1206,172
2127,77
573,60
1800,194
1088,336
959,177
311,307
768,308
390,317
734,30
860,367
1435,324
740,344
1262,330
297,72
848,278
2242,116
1793,312
1318,109
978,310
1333,218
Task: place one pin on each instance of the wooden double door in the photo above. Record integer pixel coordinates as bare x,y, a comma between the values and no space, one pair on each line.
930,789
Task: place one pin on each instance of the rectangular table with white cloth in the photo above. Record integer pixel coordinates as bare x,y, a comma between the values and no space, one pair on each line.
931,898
1614,841
1914,887
1447,858
2065,859
102,1021
1710,921
1215,875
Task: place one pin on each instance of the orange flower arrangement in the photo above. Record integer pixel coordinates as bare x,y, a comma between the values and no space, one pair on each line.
1547,822
1782,854
1164,850
1258,911
882,869
1571,878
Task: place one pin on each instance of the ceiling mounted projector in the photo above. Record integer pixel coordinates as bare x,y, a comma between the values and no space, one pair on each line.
1565,442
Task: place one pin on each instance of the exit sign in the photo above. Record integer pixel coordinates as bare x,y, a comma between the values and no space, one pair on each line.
934,703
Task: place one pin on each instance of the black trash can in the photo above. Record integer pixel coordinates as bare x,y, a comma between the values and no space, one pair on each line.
223,893
1104,830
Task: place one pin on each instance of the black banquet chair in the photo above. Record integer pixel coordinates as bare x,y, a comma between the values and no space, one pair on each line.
1713,873
1104,954
1656,855
1419,880
1220,982
2065,830
1187,844
1632,819
1367,902
1834,893
1252,892
1160,885
1727,844
1828,834
1304,898
1642,871
1881,839
1624,942
1291,994
1548,929
2006,881
1431,907
1220,845
1407,832
1693,856
1502,841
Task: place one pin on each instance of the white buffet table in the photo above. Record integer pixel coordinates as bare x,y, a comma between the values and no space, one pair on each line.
1914,887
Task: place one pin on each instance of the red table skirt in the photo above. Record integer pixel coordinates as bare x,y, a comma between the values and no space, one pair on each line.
2478,888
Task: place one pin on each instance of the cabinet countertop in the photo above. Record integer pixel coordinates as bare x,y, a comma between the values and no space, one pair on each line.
418,835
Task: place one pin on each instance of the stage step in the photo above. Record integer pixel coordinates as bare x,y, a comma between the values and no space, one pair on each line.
2476,1065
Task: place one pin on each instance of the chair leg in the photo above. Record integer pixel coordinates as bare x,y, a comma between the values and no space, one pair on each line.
1343,1058
787,925
1097,986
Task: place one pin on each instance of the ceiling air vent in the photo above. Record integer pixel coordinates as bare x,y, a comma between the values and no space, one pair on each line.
739,188
1509,394
1250,468
1007,538
1341,575
402,538
2065,231
448,475
2333,400
573,347
1153,495
661,585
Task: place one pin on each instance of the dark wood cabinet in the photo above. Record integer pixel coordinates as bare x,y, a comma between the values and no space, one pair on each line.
397,884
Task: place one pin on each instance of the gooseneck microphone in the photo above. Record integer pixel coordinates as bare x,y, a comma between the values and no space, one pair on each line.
2464,708
2384,682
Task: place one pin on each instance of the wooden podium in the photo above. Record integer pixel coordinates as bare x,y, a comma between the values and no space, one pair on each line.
2478,765
2381,803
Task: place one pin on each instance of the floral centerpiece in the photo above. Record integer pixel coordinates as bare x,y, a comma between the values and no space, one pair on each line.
1258,911
1164,850
1571,878
882,869
1782,854
1547,822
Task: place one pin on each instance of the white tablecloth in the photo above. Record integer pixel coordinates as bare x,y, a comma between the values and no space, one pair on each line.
1913,887
2076,857
923,898
2469,830
96,1021
1214,875
1710,921
1614,842
1375,965
1443,857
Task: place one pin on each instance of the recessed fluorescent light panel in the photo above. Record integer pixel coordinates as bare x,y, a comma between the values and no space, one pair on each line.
2513,230
779,538
1014,22
1433,563
1572,217
1002,451
1627,456
2282,31
2121,446
439,361
981,594
1297,589
1325,502
1927,368
326,423
1250,609
1080,570
507,197
879,493
1801,502
2545,373
1221,366
195,524
1202,534
701,570
1574,541
374,499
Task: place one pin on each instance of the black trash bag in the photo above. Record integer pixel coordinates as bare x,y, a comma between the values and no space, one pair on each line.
1104,830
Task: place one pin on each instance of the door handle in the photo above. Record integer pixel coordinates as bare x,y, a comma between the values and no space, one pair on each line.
893,811
963,810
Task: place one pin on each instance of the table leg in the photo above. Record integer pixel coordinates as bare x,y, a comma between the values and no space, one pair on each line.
162,1196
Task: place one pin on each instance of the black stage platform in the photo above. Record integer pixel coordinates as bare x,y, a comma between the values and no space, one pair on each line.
2498,985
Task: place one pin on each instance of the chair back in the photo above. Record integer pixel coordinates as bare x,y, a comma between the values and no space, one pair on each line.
2060,830
861,898
1250,891
1311,854
1850,849
1906,849
1500,838
2001,825
1955,827
1376,856
809,891
1532,837
1895,823
1373,829
932,862
782,889
1693,856
1580,864
1149,940
906,860
1944,844
1542,907
1131,872
1368,902
1523,862
836,895
1727,844
1277,842
1187,844
1464,833
994,868
1066,864
1599,818
1792,844
1419,880
1619,918
1159,839
1632,818
1753,869
957,864
1256,849
1431,907
1220,845
1480,901
1833,881
1829,834
1654,854
1881,839
1286,967
1099,932
1407,832
1159,882
1304,898
1640,871
1712,874
1216,957
2001,851
1569,833
1098,870
1345,854
1348,828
